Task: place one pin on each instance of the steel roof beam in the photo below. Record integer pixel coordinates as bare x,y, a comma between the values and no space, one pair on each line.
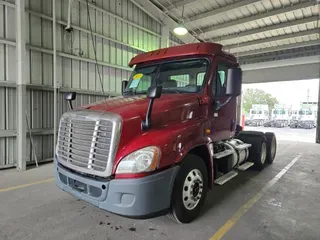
278,56
279,48
257,17
220,10
265,29
281,63
179,4
275,74
272,39
167,21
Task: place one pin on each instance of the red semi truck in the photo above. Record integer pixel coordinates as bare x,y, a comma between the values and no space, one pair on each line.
162,145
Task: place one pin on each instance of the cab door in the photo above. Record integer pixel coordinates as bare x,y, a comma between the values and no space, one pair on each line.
223,118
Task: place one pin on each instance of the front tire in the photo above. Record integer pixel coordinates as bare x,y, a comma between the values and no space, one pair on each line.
190,190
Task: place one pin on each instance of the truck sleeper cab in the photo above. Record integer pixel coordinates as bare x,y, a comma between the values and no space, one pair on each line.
306,119
257,117
161,146
279,118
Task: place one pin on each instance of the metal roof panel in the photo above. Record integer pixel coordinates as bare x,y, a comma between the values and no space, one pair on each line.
278,17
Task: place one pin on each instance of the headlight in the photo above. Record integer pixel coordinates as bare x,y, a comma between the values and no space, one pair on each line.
142,160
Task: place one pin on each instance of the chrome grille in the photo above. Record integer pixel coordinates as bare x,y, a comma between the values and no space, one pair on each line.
88,140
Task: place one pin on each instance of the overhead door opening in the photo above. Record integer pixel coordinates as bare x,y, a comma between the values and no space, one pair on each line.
290,109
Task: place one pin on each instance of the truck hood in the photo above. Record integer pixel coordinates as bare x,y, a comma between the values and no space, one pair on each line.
169,109
136,106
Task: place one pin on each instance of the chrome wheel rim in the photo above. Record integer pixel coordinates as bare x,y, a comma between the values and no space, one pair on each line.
263,153
192,189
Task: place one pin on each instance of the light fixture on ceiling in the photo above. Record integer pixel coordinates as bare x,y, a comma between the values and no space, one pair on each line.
181,28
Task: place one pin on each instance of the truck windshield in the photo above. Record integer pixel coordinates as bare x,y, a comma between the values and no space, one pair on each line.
175,77
305,112
308,112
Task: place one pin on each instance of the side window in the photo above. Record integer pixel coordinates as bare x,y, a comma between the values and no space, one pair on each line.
200,78
222,76
182,80
219,85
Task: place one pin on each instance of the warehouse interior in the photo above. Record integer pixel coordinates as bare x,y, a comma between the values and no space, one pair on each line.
50,47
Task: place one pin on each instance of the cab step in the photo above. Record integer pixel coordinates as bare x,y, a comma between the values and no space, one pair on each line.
243,146
223,154
245,166
225,178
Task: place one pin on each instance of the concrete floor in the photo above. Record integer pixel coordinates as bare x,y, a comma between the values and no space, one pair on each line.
290,209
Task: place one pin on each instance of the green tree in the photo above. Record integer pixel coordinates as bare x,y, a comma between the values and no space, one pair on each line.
257,96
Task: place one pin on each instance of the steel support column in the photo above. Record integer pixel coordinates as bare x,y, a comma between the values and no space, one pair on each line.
21,86
318,118
165,39
55,84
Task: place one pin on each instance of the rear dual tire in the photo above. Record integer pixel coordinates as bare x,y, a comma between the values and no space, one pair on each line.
271,146
263,147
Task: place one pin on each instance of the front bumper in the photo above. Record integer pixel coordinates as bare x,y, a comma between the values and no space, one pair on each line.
137,198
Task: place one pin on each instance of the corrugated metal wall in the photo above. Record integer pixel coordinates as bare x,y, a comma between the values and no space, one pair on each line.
174,41
121,30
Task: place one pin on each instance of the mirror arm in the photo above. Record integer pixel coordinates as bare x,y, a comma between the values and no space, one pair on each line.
70,105
124,85
223,104
152,93
146,124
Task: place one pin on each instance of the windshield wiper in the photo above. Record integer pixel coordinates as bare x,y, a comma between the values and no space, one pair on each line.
170,90
131,91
